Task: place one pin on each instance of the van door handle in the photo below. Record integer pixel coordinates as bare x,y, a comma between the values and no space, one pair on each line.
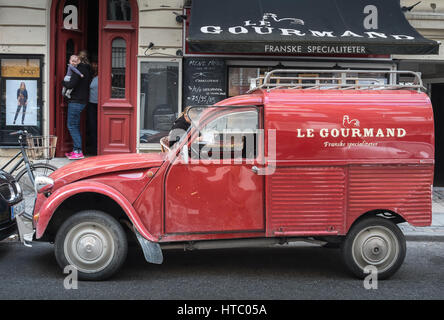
264,171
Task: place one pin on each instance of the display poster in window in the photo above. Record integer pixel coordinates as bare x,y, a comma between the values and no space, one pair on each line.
21,96
21,102
205,81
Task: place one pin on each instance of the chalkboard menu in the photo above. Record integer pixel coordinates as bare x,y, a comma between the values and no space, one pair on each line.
205,81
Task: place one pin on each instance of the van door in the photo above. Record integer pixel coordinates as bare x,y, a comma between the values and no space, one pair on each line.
218,189
306,200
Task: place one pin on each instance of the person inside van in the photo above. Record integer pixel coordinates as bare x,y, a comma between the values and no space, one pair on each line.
179,128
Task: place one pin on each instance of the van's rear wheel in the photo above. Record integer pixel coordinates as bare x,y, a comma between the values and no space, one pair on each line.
93,242
374,242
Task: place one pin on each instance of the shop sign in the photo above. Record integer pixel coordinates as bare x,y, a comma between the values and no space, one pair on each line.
204,81
264,27
71,20
20,68
347,27
351,128
323,49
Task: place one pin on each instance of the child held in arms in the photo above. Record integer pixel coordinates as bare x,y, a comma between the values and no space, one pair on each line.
72,67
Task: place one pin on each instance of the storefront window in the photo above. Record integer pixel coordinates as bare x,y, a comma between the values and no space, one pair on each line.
240,78
118,68
159,83
119,10
380,78
21,96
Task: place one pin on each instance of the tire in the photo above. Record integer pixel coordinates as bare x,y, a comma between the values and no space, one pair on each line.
94,243
377,242
29,194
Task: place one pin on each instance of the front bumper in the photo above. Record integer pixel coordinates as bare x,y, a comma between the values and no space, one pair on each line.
24,223
25,229
7,229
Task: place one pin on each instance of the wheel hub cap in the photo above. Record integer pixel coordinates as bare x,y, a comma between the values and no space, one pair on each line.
376,246
89,247
375,250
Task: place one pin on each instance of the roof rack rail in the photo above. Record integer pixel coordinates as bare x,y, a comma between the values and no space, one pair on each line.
338,79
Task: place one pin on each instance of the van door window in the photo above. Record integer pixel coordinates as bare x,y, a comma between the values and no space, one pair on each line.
233,134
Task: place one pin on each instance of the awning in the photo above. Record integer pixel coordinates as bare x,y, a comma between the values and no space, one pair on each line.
286,27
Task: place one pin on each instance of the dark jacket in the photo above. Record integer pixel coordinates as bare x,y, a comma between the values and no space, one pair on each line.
80,86
177,130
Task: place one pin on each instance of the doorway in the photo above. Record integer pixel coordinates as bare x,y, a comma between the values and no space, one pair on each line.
437,98
107,29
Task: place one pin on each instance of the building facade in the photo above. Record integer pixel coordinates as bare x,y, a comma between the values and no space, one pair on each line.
148,68
37,37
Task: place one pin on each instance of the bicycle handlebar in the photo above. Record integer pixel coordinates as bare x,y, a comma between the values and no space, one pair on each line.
20,132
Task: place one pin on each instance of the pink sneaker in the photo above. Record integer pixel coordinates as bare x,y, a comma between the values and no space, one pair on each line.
68,154
76,156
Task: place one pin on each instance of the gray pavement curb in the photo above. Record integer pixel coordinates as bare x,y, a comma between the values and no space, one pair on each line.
419,237
433,233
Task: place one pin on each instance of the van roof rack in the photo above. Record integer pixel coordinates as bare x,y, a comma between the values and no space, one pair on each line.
338,79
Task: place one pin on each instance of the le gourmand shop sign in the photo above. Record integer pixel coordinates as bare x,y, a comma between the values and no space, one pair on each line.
333,27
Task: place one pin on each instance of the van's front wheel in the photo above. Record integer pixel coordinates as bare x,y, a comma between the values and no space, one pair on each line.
92,242
375,242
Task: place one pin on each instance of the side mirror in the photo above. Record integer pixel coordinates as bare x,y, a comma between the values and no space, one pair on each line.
184,154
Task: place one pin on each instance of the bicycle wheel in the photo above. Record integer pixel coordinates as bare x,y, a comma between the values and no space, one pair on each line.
29,194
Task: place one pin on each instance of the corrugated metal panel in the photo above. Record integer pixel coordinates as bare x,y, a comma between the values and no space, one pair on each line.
306,201
403,189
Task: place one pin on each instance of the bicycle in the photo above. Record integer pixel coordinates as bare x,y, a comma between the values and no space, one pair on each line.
39,148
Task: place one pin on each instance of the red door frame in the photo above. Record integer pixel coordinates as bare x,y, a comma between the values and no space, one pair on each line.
117,118
58,107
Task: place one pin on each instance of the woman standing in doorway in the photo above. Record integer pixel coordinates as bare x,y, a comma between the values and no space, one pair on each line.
76,104
22,102
91,111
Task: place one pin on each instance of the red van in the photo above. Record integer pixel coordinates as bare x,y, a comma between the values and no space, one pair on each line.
338,160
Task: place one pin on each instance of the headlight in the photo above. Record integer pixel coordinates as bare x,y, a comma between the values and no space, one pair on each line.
43,184
10,190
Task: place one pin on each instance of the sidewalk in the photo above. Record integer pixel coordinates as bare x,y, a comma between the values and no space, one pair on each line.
433,233
436,231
